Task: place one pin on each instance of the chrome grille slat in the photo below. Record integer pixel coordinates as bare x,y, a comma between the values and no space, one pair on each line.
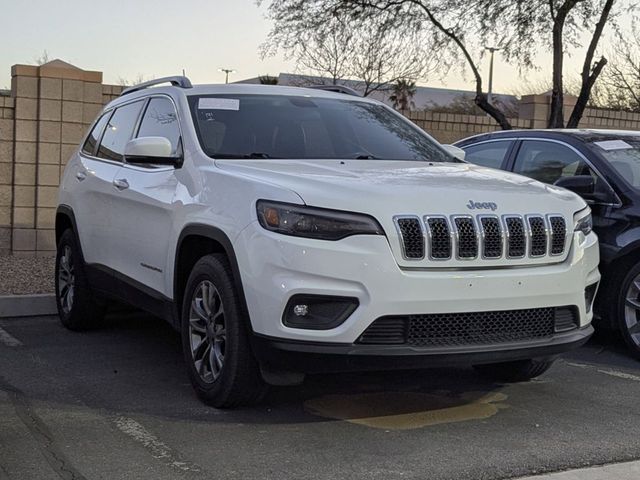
466,237
538,234
439,235
489,237
492,240
558,229
412,237
516,237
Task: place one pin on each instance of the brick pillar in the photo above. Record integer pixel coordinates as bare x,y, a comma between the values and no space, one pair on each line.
7,107
54,104
537,109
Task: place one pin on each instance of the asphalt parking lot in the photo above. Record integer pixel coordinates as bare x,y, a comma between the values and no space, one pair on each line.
115,403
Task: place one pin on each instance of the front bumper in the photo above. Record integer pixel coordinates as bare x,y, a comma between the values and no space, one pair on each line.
310,357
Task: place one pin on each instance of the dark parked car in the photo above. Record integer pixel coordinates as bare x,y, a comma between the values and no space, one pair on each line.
604,167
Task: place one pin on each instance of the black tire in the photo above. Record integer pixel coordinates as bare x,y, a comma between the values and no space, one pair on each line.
215,338
626,317
512,372
83,311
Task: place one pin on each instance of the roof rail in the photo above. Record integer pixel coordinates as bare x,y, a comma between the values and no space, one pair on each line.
337,88
176,81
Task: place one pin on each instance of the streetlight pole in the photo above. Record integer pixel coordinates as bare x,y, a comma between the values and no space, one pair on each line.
226,72
492,50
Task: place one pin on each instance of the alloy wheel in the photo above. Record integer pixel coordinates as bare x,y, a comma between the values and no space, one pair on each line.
66,280
207,331
632,310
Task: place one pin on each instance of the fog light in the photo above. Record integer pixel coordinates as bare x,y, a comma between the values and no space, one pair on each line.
318,312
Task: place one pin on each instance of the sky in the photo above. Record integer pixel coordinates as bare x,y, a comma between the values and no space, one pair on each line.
155,38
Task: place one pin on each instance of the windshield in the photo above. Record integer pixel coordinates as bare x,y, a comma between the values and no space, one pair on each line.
623,154
293,127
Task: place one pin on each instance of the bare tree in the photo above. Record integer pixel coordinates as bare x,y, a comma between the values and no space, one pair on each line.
371,50
459,28
620,85
42,59
125,82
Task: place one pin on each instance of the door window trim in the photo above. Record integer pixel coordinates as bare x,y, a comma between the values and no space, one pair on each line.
136,129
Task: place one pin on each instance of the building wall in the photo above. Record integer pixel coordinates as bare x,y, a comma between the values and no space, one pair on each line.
50,107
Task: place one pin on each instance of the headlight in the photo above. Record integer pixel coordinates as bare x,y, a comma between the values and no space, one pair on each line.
584,223
312,222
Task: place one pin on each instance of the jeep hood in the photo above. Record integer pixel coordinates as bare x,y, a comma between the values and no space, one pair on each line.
388,188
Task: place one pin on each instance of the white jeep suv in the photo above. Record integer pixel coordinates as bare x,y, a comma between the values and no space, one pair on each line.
287,230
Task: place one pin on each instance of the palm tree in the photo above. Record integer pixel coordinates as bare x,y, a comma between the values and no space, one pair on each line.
403,92
268,80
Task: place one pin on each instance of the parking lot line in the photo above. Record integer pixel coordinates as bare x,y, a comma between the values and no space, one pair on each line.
8,339
158,449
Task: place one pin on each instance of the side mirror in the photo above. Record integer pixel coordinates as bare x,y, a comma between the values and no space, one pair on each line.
583,185
455,151
151,150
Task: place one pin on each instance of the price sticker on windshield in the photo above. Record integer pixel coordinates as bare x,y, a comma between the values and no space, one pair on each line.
613,145
219,104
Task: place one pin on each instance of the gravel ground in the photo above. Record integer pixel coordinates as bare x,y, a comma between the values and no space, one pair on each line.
26,275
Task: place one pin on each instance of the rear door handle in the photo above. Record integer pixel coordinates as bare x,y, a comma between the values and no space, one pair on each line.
80,175
121,183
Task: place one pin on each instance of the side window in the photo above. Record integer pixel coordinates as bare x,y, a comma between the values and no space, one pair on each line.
160,120
549,161
119,131
490,154
92,140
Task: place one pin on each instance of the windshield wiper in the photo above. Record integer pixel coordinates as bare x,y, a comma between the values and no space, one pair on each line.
238,155
366,156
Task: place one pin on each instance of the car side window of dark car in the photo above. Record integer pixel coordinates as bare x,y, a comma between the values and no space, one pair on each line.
119,131
488,154
549,161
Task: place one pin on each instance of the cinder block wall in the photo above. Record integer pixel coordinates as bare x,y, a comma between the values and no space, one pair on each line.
49,108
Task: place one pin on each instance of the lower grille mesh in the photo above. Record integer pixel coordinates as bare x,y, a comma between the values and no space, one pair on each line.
470,328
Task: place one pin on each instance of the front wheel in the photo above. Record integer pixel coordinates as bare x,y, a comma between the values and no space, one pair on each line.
77,306
518,371
627,309
215,338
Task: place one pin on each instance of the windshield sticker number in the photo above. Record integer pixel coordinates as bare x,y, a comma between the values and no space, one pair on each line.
219,104
613,145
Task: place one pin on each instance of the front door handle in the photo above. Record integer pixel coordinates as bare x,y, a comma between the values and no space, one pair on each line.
121,183
81,175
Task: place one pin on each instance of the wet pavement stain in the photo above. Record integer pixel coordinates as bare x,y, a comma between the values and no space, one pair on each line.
406,410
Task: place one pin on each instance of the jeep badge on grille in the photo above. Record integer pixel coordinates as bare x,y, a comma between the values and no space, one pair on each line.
482,206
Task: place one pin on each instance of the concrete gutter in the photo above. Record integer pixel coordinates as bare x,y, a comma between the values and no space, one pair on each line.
27,305
616,471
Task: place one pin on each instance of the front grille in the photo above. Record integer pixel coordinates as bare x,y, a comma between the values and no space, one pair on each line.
412,237
492,240
558,234
509,236
538,231
440,238
517,241
470,328
467,239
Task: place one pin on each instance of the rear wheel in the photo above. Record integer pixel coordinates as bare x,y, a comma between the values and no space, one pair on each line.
215,338
518,371
77,307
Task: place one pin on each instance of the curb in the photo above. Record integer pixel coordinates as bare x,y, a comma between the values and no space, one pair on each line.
27,305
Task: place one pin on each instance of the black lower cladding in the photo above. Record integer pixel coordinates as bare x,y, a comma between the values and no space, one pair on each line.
470,328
